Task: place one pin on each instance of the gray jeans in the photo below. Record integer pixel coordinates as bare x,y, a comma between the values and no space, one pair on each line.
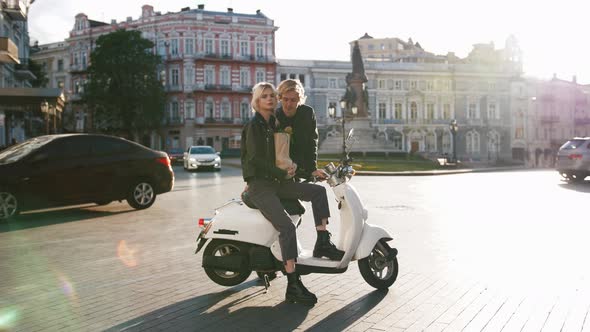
265,195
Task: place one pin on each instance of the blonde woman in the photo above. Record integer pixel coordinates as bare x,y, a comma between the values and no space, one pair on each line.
267,184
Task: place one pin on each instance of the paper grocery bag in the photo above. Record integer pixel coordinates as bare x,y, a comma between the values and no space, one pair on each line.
282,141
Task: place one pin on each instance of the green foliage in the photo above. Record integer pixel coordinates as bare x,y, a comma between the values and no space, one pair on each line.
41,80
123,92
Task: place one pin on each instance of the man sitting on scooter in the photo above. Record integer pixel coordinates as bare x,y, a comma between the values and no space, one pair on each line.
304,151
267,184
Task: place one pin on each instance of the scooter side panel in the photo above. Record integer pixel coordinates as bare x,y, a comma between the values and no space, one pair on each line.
369,238
241,223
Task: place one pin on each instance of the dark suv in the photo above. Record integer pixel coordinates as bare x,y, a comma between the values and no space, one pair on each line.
58,170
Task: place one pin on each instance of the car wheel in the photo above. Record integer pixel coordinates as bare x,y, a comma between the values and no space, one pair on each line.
9,206
142,195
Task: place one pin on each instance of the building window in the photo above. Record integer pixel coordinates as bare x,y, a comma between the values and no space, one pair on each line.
189,76
472,142
446,111
492,113
398,85
189,109
76,59
397,142
430,111
244,48
398,111
332,83
381,84
174,75
259,49
225,110
225,48
174,111
83,58
224,73
260,75
302,79
519,133
382,110
174,46
209,76
472,111
283,77
245,77
60,65
429,85
413,85
413,111
244,111
189,46
161,48
209,109
209,46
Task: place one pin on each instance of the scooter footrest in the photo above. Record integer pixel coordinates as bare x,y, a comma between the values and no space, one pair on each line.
232,263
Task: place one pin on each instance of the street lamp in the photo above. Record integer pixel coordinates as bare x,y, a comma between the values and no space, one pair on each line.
344,107
45,109
453,127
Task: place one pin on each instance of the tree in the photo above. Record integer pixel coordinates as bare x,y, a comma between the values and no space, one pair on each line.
123,92
41,77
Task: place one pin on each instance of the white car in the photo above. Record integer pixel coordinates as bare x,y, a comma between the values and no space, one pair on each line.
201,156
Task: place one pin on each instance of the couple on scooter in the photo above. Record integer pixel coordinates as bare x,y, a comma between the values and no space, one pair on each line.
267,183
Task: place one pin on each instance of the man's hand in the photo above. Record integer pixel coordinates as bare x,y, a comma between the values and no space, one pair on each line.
320,174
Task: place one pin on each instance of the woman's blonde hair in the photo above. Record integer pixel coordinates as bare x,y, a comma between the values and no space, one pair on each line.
257,92
292,85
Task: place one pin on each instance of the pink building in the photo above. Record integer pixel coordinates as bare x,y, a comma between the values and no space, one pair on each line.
211,61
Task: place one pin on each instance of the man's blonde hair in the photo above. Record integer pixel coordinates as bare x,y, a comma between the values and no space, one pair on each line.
292,85
257,92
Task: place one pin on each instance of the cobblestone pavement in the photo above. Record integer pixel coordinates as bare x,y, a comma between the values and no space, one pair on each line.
472,257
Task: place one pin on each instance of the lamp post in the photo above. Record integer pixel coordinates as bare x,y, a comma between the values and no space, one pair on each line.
344,107
453,127
45,109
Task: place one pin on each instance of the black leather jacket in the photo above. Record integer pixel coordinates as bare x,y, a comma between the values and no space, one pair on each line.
304,142
258,150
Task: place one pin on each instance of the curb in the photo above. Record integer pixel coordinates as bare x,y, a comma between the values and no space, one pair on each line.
424,173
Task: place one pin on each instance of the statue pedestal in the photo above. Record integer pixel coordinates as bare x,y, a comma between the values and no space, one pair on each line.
364,138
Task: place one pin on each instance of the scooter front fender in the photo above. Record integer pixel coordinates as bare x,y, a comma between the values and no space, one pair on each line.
369,238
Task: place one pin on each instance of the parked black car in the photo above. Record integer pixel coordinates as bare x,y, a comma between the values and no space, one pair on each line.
67,169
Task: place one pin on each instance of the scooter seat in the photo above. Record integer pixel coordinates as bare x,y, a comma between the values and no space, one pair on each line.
291,206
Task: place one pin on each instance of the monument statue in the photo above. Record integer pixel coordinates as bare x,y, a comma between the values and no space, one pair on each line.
356,92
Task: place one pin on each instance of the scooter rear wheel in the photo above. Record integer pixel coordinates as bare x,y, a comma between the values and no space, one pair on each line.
377,270
224,248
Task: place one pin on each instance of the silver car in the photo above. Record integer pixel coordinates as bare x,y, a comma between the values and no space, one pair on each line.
201,156
573,159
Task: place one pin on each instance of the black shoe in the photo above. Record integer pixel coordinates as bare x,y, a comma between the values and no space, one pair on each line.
296,292
325,248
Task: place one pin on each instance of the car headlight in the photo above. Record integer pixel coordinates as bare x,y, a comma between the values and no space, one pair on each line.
218,159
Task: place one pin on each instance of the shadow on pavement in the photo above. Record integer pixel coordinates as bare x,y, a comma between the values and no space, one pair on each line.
210,313
581,187
45,218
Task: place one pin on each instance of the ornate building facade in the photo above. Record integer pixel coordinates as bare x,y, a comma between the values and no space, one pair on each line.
414,95
211,60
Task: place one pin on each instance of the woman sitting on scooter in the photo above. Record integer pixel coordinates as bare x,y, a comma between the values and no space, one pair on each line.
267,183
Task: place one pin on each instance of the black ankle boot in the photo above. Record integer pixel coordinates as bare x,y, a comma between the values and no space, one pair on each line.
325,248
296,292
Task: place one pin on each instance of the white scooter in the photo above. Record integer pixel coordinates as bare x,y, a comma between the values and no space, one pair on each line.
242,240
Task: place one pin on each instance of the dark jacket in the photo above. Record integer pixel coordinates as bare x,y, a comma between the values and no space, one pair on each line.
258,150
304,140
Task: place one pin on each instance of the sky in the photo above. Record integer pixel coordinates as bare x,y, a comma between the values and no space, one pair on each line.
552,34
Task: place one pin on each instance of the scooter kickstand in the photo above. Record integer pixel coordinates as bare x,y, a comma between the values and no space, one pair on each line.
266,283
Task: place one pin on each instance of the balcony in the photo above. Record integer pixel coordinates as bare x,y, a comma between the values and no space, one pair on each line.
218,87
545,119
8,51
174,121
16,10
78,68
22,71
580,121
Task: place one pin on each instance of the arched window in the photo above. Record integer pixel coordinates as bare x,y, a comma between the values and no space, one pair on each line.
225,110
413,111
209,109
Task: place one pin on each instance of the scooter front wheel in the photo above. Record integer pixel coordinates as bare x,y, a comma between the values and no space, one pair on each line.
377,270
225,248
